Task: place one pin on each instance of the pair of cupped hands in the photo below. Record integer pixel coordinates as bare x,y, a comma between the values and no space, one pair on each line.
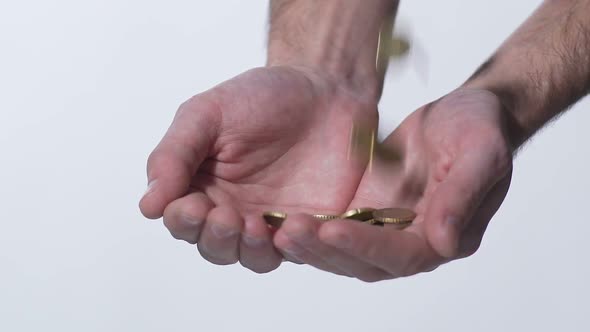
278,139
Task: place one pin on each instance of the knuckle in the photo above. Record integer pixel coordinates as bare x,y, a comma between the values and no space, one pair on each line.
183,237
170,222
179,226
190,237
189,219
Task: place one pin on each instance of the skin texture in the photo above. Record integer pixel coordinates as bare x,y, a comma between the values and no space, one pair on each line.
277,138
454,171
270,139
336,37
542,68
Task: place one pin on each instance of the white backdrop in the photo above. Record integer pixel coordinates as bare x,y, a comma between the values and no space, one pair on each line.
87,88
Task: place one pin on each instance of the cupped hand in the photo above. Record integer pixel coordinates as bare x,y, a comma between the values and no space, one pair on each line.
273,138
453,168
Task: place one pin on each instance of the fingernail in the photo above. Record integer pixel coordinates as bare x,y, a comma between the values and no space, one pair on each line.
252,241
192,222
222,231
150,187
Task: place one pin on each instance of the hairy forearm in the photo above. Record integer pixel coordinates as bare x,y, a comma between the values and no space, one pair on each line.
543,68
338,37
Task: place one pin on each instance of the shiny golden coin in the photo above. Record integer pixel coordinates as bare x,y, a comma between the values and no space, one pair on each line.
362,214
362,142
324,217
274,219
397,216
364,146
370,222
396,226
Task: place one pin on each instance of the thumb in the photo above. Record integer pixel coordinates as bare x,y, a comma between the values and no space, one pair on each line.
458,197
177,157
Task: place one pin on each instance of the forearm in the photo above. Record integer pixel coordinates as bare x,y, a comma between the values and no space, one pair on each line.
543,68
337,37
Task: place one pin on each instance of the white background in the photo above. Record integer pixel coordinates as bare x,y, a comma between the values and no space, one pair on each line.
87,88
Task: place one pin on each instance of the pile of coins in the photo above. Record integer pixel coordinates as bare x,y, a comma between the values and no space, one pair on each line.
397,217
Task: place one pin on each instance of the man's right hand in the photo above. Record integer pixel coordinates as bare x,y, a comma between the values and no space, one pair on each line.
273,138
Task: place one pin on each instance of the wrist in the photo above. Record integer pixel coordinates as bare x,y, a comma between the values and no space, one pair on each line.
512,98
527,86
336,38
542,69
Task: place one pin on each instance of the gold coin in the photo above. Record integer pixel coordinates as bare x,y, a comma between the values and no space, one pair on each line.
274,219
362,141
378,223
361,214
324,217
398,226
396,216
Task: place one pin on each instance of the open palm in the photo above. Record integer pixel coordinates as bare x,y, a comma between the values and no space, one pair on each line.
452,165
270,139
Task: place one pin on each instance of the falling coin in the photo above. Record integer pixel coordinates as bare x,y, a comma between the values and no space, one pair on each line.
324,217
399,47
274,219
394,216
362,142
362,214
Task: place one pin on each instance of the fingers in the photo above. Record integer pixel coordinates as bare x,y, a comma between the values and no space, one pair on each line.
460,194
220,238
176,158
293,252
222,234
398,253
257,251
299,238
290,238
185,216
